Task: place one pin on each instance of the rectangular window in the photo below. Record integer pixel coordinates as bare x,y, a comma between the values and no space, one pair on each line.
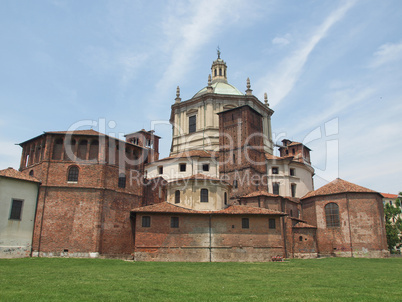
235,184
192,123
160,169
275,170
275,188
16,209
205,167
182,167
272,224
245,223
146,221
204,195
174,222
293,189
292,172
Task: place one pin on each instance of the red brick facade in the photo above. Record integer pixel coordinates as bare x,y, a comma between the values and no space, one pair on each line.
90,214
361,229
241,152
207,237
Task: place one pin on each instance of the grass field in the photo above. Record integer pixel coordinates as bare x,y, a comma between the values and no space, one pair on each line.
334,279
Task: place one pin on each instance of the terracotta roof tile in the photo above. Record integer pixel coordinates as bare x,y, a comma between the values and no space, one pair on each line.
193,153
11,173
336,187
302,225
165,207
259,193
78,132
387,195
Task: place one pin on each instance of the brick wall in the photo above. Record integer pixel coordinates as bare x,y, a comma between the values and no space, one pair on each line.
361,231
241,153
195,240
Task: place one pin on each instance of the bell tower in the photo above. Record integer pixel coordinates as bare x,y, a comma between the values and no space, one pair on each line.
218,69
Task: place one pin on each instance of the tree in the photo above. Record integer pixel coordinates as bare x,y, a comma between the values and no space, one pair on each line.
393,224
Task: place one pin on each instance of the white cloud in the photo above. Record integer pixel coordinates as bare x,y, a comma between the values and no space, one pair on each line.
386,53
282,40
282,80
10,154
187,34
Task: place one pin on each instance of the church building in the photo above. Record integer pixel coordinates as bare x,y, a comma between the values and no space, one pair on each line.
220,195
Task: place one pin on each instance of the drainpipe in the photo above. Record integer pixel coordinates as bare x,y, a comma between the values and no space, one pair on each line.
350,231
44,200
210,238
284,228
36,209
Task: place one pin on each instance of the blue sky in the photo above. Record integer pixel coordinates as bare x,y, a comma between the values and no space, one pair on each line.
332,71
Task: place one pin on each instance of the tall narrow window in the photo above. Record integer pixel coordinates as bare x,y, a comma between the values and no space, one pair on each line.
275,188
16,209
272,224
292,172
220,71
225,198
160,170
73,174
293,189
57,148
192,123
82,149
122,180
174,222
146,221
245,223
177,196
204,195
235,184
94,149
332,215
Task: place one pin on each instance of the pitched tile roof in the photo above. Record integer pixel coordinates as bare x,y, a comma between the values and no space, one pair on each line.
267,194
336,187
166,207
11,173
259,193
387,195
78,132
193,153
302,225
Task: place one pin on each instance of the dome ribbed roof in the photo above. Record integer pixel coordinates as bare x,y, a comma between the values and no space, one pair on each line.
220,88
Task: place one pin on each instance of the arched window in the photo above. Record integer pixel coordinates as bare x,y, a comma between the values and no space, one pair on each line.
122,180
57,148
204,195
73,174
31,173
220,71
332,215
215,72
177,196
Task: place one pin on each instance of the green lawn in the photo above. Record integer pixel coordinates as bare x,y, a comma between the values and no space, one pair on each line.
334,279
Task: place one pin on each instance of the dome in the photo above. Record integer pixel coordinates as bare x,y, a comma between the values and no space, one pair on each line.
220,88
